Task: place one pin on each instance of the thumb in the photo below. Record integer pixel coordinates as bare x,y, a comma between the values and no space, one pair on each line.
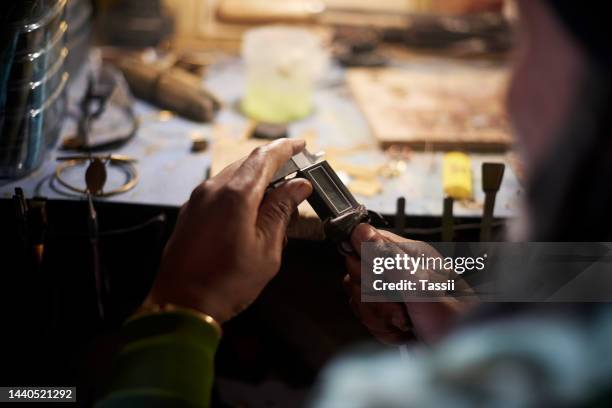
278,206
364,233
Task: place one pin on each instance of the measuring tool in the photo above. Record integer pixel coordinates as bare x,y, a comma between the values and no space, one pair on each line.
330,199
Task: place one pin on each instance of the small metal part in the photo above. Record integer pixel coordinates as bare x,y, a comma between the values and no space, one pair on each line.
296,163
31,216
362,59
330,199
447,220
492,175
339,229
21,215
93,230
95,176
37,225
269,131
73,142
400,216
110,157
199,144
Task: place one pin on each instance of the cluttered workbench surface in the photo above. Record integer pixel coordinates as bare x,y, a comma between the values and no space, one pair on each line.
343,124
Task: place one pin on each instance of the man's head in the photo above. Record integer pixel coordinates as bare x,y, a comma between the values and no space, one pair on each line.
549,65
559,102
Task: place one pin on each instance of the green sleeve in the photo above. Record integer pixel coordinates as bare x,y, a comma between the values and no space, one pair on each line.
167,361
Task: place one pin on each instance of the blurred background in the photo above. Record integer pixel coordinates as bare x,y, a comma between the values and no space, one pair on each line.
112,111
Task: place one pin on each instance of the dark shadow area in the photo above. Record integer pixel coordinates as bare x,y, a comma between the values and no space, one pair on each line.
53,335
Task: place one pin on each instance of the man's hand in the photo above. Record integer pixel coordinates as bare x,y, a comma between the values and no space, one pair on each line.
394,322
229,236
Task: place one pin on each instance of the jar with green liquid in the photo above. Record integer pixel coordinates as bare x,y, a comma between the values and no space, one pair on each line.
282,64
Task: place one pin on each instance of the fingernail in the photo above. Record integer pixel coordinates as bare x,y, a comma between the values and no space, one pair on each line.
303,189
299,145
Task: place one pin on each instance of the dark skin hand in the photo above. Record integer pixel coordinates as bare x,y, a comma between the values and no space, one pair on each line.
229,236
228,241
394,322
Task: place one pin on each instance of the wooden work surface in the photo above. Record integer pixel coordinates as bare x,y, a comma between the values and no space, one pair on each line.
459,108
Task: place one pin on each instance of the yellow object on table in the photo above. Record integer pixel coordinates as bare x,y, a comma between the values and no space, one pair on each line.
457,176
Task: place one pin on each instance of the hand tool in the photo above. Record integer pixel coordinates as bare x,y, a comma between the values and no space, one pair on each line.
448,226
457,185
31,217
492,175
400,216
330,199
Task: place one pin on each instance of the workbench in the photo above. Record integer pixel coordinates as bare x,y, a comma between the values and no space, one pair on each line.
169,170
265,344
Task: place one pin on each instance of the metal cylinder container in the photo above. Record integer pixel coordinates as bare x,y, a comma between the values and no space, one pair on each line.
33,81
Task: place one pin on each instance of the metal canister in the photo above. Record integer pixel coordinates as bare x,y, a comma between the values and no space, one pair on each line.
32,82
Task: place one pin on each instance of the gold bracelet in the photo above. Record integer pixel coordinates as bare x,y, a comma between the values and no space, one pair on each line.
150,309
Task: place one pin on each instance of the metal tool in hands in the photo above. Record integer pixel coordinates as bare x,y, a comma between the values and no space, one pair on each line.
330,199
492,175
